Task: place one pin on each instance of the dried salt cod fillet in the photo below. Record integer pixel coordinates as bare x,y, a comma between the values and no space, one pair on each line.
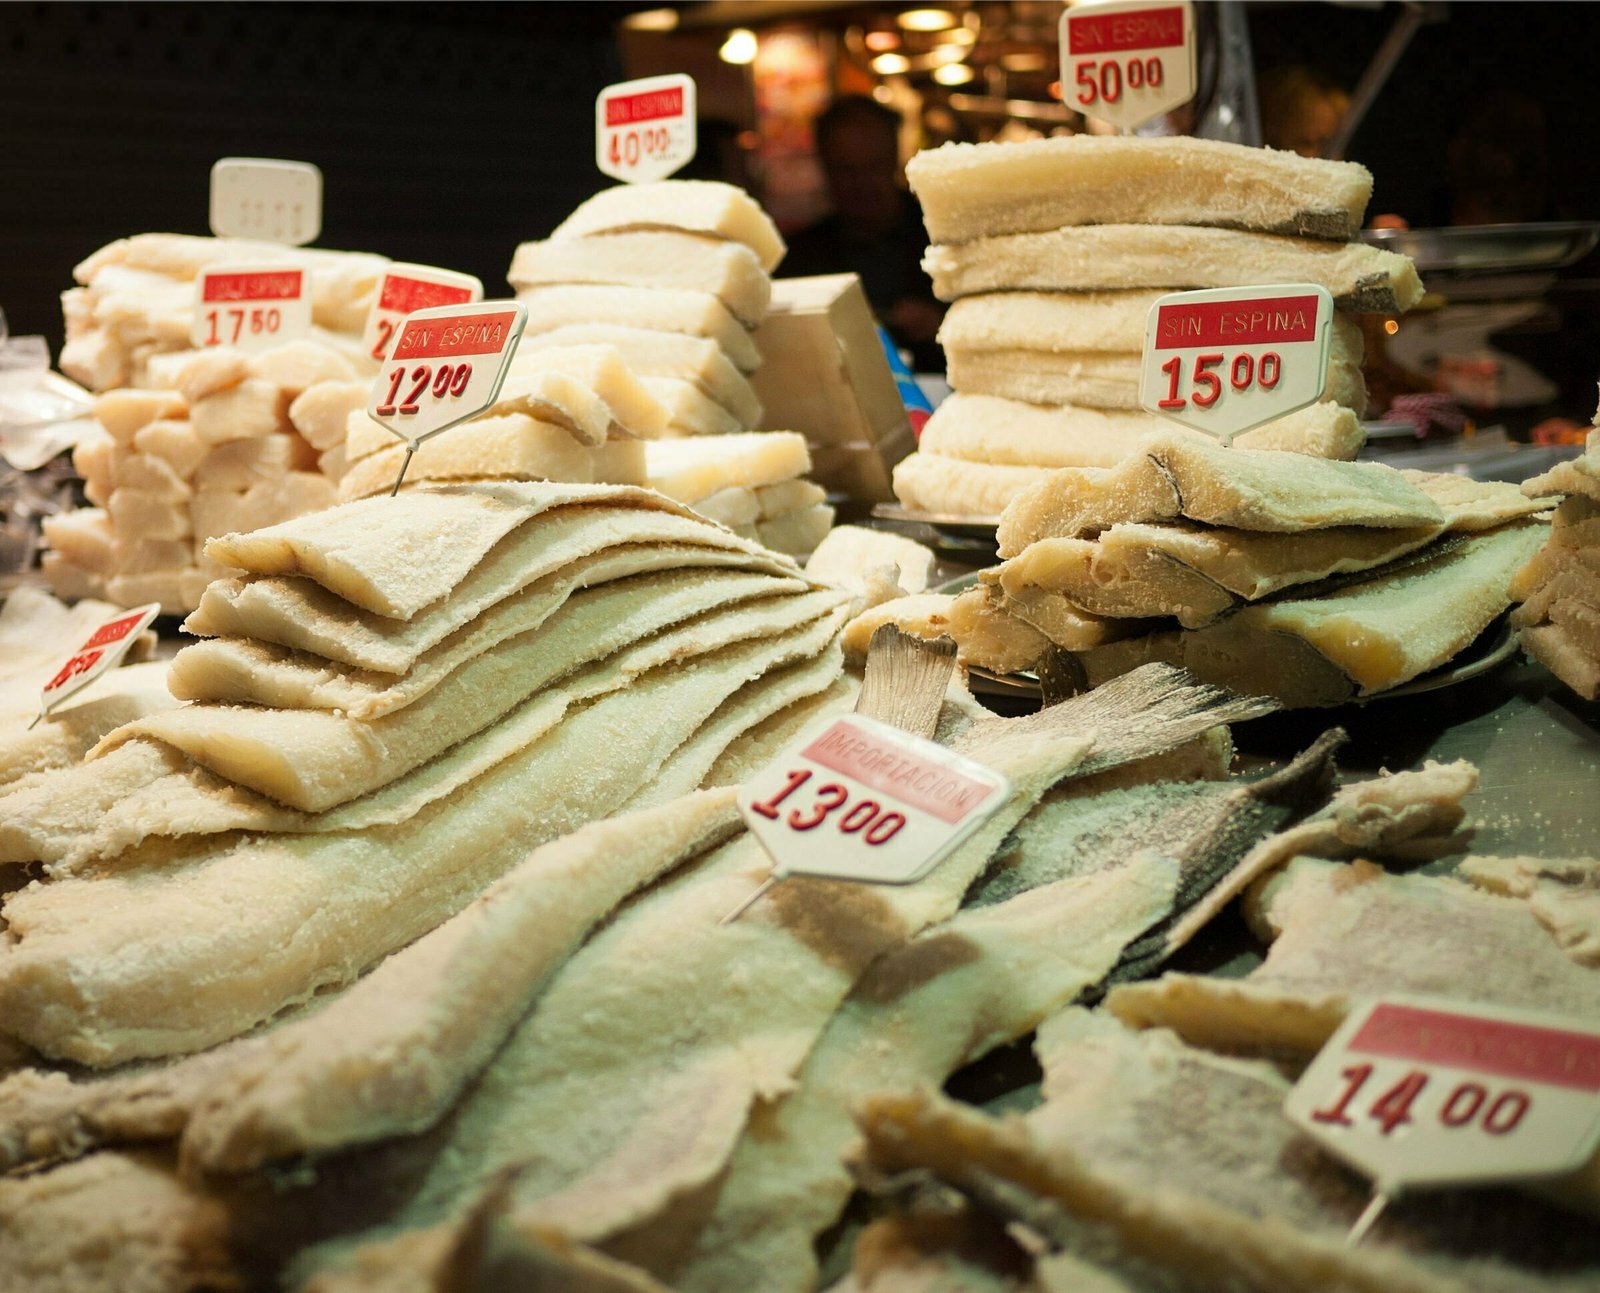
391,1055
670,309
1554,560
1076,322
972,190
80,817
1365,637
37,632
136,963
1055,1193
1068,626
72,729
730,271
706,207
1002,432
689,470
977,491
298,613
1558,651
117,1223
1470,505
1080,258
1562,893
989,636
924,615
690,411
1248,489
1157,1115
1408,815
313,760
1344,931
650,352
918,1013
1579,475
243,671
749,753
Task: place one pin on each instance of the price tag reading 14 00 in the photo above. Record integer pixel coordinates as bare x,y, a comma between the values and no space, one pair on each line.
1418,1092
251,307
646,129
446,365
861,800
1227,359
1126,61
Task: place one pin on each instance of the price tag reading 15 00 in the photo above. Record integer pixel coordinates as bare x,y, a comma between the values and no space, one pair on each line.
861,800
1228,359
1126,61
646,129
446,365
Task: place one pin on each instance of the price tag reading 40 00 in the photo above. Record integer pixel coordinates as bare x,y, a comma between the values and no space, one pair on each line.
250,307
405,290
1126,61
861,800
446,365
646,129
1227,359
1415,1091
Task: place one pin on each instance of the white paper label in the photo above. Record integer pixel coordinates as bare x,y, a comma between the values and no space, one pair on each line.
1417,1092
268,199
99,652
251,307
446,365
1227,359
1126,61
405,289
646,129
861,800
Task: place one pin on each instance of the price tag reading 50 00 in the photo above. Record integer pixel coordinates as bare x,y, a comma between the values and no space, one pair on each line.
250,307
645,130
446,365
1225,360
1127,61
861,800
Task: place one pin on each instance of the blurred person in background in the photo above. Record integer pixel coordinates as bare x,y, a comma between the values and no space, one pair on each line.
875,229
1301,109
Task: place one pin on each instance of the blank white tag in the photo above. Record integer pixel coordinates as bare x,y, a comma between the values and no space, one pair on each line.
268,199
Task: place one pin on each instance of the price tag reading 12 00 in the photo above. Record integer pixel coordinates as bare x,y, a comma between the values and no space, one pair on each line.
861,800
645,130
100,650
1127,61
445,366
1415,1091
405,290
1228,359
251,307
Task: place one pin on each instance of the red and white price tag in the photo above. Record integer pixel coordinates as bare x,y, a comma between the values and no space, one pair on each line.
446,365
1126,61
99,652
405,290
267,199
1418,1092
251,307
1224,360
646,129
861,800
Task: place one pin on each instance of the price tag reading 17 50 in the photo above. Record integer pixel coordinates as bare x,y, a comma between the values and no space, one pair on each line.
99,652
1126,61
646,129
405,290
861,800
1418,1092
1227,359
446,365
251,307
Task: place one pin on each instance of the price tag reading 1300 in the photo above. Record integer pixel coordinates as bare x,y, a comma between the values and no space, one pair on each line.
646,129
1126,61
446,366
861,800
1416,1092
1227,359
251,307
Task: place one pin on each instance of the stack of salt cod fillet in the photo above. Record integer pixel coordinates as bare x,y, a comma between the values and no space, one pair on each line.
1310,580
1051,253
197,443
1559,589
656,1100
1160,1156
676,276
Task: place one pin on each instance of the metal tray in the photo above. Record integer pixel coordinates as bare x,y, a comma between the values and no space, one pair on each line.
1474,249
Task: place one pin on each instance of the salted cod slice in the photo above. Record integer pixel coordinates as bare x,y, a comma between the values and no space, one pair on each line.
1562,893
1248,489
144,788
295,612
155,973
1087,258
706,207
671,309
971,191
